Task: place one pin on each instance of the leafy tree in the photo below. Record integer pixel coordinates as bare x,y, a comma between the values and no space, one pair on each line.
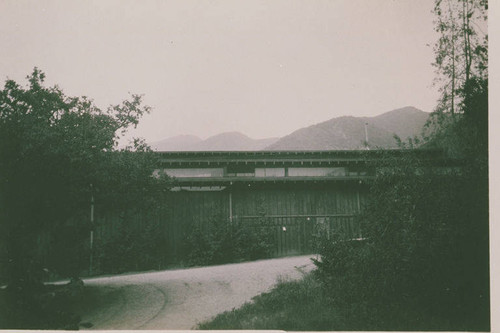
53,148
57,151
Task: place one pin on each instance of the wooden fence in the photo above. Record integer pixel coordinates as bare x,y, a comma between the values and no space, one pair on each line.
300,234
294,218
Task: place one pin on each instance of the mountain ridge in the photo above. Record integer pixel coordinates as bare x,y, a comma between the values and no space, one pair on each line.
348,132
339,133
223,141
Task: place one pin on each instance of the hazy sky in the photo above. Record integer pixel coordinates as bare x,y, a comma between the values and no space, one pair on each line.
264,68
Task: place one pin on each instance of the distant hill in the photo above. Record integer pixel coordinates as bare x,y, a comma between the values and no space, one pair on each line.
340,133
176,143
405,122
223,141
233,141
345,133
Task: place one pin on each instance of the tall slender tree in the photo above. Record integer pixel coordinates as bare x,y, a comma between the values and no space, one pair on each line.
461,50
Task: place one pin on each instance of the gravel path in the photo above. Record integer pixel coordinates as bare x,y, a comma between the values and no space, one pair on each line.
180,299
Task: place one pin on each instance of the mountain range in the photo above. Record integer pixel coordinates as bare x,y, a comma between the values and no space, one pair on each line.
223,141
349,132
341,133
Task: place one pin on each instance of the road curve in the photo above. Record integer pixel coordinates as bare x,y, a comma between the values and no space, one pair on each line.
181,299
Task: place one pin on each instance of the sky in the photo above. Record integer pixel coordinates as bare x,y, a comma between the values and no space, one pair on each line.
263,68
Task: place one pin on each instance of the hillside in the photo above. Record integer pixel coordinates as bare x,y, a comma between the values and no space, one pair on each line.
347,132
232,141
405,122
340,133
175,143
223,141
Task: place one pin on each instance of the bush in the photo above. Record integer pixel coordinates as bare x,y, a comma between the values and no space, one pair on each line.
253,242
220,241
210,244
425,254
132,249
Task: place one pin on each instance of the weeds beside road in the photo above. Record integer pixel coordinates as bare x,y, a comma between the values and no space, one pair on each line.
291,305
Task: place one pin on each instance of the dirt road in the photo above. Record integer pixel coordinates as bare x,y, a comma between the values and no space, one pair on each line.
180,299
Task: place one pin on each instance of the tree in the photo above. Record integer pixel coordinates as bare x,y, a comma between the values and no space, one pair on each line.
52,149
462,73
424,263
461,50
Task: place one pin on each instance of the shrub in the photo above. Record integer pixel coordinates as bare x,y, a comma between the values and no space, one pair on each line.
220,241
253,242
425,254
210,244
132,249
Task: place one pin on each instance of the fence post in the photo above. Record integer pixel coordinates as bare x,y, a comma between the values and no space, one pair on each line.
360,235
91,228
230,206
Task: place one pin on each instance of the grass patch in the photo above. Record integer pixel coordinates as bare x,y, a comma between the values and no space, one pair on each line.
305,305
292,305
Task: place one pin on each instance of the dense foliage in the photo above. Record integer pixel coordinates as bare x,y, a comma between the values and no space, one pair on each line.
132,247
425,254
220,242
56,152
424,264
